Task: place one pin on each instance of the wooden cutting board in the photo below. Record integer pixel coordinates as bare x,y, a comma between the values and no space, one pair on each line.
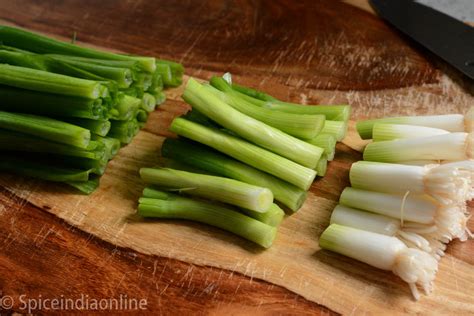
57,243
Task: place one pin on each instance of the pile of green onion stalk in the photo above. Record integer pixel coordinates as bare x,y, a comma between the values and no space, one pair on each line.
239,155
66,110
408,198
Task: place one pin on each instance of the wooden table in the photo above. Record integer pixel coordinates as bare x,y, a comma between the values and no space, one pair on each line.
305,51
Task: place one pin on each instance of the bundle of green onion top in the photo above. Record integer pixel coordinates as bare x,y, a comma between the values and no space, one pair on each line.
72,106
408,199
243,148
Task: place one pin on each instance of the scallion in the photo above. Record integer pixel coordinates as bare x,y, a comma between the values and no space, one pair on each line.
46,128
43,81
384,252
249,128
221,189
299,125
452,146
246,152
206,159
211,214
385,131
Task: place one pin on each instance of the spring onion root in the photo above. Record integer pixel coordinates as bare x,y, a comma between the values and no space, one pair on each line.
412,265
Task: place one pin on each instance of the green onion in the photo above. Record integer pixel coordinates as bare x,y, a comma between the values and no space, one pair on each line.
332,112
32,102
171,72
124,130
44,45
99,127
41,169
221,189
45,63
327,142
46,128
14,141
322,166
338,129
125,108
273,215
43,81
448,183
415,208
148,102
142,116
96,166
384,225
452,146
384,131
160,97
212,161
248,153
122,76
451,123
208,213
111,145
134,66
301,126
86,187
253,93
384,252
250,128
450,219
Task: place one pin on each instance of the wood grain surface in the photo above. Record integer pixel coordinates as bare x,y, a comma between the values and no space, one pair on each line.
309,52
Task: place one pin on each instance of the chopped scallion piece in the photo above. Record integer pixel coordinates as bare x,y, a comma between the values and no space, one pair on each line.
46,128
250,128
207,159
221,189
246,152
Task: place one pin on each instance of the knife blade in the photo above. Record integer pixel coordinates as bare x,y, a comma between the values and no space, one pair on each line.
446,37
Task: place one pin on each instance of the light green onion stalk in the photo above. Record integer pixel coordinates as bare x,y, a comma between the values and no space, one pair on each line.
249,128
414,266
46,128
447,183
217,188
14,141
449,122
273,216
303,126
177,207
385,131
327,142
338,129
246,152
452,146
450,220
331,112
204,158
322,166
38,80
